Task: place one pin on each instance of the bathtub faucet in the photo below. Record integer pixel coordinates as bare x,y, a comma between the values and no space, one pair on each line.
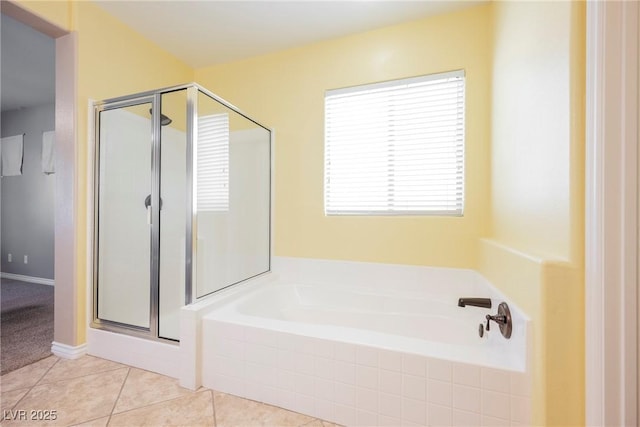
475,302
503,319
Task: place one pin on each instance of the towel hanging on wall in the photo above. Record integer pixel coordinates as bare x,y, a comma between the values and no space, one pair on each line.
49,152
11,153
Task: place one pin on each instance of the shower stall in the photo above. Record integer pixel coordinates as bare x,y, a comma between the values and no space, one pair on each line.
182,206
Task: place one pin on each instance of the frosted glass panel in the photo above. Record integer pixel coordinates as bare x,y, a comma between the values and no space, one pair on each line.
124,234
173,213
233,185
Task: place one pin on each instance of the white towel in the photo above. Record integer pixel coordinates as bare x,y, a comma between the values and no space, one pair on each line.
49,152
12,149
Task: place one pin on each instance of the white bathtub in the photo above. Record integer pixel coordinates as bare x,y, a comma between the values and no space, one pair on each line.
369,344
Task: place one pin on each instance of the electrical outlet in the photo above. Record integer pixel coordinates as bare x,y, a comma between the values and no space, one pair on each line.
26,259
10,258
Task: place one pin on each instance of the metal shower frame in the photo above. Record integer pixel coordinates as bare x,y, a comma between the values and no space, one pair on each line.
155,98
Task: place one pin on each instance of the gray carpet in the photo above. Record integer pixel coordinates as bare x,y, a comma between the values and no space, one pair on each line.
26,323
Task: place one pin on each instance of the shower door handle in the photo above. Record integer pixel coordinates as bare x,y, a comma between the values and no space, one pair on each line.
147,204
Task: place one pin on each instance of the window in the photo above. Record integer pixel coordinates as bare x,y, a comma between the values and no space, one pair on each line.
396,148
213,163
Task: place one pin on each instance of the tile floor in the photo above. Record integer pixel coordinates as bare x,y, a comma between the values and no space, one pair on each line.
95,392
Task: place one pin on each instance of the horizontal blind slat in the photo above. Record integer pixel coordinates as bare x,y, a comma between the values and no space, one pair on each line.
396,147
213,163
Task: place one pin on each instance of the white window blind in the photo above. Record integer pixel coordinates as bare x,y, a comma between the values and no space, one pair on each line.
396,148
213,163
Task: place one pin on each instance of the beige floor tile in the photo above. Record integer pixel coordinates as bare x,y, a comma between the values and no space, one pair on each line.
76,400
144,388
321,423
100,422
9,398
192,410
27,376
66,369
232,411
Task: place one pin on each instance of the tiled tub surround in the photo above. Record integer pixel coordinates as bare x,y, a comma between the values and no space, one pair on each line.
355,350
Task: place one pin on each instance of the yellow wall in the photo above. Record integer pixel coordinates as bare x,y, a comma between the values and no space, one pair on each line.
536,245
285,90
58,13
532,126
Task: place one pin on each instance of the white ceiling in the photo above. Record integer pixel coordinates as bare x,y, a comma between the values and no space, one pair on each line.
203,33
28,66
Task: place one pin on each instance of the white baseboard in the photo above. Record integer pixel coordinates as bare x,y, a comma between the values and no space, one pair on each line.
20,277
159,357
67,351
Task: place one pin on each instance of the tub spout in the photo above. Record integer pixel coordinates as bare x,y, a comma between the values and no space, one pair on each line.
476,302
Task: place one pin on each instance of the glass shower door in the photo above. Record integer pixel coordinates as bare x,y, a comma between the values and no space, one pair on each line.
124,212
182,206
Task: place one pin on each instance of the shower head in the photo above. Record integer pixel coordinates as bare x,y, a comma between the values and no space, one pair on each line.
164,120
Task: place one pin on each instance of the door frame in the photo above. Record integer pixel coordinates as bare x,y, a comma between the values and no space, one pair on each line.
96,108
611,208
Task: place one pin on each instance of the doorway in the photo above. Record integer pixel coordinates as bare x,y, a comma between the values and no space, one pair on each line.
68,339
27,194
